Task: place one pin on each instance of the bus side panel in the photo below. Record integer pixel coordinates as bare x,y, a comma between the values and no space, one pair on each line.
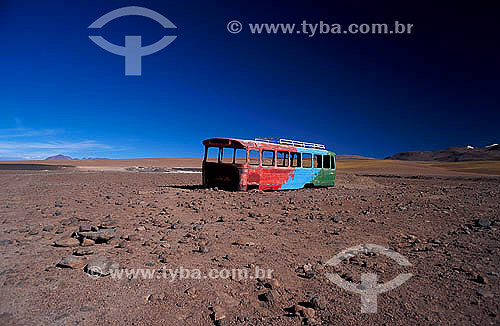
299,179
325,177
273,178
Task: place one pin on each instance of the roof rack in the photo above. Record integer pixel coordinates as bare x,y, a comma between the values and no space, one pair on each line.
296,143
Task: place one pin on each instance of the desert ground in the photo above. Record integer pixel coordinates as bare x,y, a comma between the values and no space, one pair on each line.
67,227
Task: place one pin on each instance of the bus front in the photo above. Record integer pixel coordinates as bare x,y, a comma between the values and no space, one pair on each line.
224,164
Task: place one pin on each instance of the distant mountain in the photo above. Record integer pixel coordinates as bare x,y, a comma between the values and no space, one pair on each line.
59,157
452,154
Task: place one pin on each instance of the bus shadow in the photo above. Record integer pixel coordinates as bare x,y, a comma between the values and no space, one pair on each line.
185,187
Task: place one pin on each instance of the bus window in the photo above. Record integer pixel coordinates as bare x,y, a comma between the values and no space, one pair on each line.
333,161
267,158
227,154
240,156
326,161
295,159
307,160
318,161
282,159
212,154
253,157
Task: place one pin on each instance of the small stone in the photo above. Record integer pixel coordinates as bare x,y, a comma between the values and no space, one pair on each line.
71,262
203,249
272,284
307,312
484,293
156,297
335,219
101,266
87,242
48,228
33,232
82,252
85,228
6,242
102,236
309,274
86,309
483,222
297,309
141,228
481,279
60,230
319,303
266,297
67,242
148,243
132,237
218,313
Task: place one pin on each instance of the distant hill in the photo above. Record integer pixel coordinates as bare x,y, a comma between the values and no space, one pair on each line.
352,157
452,154
59,157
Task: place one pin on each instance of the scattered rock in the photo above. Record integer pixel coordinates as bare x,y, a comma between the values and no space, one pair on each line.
484,293
72,262
156,297
87,242
266,297
5,242
319,303
48,228
218,313
272,284
101,266
307,312
335,219
132,237
85,228
203,249
481,279
102,236
483,222
67,242
82,252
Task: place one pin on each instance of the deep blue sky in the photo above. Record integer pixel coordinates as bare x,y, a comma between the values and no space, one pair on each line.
373,95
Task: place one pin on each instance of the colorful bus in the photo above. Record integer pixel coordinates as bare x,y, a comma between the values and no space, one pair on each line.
266,164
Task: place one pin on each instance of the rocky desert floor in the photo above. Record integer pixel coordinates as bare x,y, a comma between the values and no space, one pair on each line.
67,233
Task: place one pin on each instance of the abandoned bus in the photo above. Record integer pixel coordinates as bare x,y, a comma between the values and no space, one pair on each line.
266,164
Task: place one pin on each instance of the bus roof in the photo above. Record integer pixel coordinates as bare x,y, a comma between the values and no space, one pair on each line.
246,143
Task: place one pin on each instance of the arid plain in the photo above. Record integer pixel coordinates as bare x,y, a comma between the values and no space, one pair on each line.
58,222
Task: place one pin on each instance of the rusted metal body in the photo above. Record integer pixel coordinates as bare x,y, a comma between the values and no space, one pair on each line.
238,164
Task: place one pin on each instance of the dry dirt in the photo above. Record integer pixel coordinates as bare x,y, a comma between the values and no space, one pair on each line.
443,219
